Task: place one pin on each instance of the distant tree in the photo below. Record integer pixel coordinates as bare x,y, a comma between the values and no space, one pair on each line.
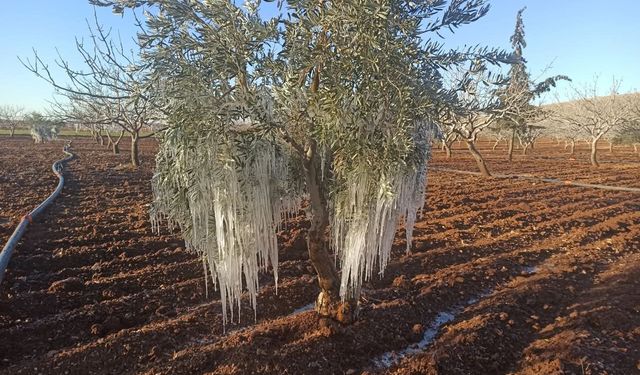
497,134
521,92
113,84
477,107
43,129
528,135
518,82
447,130
94,113
10,117
595,116
629,132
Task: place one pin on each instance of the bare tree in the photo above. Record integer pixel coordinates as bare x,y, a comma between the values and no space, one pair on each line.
10,117
528,135
447,130
112,83
478,106
93,113
629,132
595,116
497,134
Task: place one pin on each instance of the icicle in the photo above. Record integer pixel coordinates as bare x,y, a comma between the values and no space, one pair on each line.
228,210
365,216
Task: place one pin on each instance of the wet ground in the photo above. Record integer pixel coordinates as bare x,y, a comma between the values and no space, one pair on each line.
506,276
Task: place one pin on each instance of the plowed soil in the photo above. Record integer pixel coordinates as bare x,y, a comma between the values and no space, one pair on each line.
506,276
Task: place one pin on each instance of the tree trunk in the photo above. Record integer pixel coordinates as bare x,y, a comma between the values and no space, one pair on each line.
635,147
135,157
594,152
116,144
100,138
329,303
573,148
495,145
524,149
479,160
109,139
13,131
447,150
510,148
611,147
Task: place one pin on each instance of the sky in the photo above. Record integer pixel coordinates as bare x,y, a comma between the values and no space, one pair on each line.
579,38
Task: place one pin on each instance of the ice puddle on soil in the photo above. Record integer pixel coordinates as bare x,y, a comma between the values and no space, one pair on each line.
305,308
394,357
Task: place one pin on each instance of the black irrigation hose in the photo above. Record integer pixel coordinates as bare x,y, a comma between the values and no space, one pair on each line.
543,179
7,251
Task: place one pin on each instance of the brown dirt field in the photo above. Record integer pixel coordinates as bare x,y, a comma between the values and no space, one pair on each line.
524,277
25,178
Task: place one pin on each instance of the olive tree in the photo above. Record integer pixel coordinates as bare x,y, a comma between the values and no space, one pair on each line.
329,103
528,136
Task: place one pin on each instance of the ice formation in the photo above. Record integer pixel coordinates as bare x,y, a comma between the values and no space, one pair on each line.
42,133
228,210
366,215
228,197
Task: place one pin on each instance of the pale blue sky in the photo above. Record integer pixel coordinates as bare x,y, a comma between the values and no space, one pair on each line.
581,38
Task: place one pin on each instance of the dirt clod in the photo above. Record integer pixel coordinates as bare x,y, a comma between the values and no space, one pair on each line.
70,284
96,329
401,282
416,333
112,324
